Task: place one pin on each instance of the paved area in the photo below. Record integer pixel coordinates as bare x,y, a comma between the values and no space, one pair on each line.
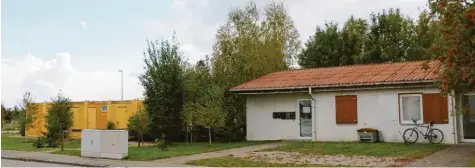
17,163
454,156
79,161
236,152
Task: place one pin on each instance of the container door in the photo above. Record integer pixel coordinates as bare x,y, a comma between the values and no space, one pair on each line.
121,118
91,118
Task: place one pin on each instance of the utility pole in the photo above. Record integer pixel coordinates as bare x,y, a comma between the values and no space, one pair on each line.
122,84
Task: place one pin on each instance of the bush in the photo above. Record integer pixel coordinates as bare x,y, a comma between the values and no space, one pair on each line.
110,125
162,143
39,143
58,118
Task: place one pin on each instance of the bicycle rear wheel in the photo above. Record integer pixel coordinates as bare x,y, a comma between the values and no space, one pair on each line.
410,136
435,136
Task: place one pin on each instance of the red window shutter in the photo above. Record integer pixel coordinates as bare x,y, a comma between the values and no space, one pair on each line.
435,108
346,109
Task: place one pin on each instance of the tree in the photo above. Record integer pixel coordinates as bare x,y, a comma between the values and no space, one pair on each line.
427,32
4,115
353,36
209,112
139,123
324,48
248,46
58,119
29,112
197,78
163,85
456,46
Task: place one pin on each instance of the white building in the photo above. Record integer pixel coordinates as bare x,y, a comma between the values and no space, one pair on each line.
330,104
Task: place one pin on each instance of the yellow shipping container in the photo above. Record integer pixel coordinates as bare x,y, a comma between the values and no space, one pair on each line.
89,115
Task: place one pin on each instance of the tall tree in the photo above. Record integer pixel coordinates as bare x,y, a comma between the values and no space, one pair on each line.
248,46
58,119
456,46
164,91
427,32
324,48
139,123
353,36
209,111
29,112
390,35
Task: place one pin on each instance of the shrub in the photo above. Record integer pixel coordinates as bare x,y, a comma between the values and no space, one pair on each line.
110,125
39,143
162,143
58,118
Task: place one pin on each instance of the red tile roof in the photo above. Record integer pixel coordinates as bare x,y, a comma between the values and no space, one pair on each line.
386,73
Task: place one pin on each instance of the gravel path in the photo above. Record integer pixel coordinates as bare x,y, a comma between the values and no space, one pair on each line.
17,163
295,157
454,156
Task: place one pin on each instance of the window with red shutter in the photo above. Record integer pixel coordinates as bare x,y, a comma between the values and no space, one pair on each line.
346,109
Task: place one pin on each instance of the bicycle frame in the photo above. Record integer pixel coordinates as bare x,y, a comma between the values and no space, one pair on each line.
428,128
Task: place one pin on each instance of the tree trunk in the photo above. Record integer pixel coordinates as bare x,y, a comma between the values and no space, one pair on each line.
62,140
209,134
139,138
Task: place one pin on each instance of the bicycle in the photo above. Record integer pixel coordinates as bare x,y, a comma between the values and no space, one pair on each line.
434,135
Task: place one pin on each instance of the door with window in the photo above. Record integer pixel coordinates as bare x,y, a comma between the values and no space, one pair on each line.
305,117
468,118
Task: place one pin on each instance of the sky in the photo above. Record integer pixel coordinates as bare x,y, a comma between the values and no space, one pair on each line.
78,46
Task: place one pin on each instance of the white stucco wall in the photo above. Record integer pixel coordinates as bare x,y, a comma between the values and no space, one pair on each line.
376,109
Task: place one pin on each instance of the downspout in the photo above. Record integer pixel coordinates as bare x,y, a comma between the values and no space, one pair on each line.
314,118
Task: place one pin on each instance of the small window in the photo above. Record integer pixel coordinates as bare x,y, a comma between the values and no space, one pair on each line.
284,115
410,107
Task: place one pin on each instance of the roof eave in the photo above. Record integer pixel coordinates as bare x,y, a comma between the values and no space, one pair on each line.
335,86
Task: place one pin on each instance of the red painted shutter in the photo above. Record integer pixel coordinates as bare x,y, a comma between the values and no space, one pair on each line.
435,107
346,109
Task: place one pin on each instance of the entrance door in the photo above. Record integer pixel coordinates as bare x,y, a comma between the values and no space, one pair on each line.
121,118
91,117
469,118
305,113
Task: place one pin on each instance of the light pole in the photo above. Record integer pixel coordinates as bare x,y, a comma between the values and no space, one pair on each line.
122,84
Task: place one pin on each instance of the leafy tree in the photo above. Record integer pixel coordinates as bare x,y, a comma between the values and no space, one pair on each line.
324,48
427,32
4,115
209,111
29,112
164,91
456,46
58,119
389,37
197,78
139,123
248,46
353,36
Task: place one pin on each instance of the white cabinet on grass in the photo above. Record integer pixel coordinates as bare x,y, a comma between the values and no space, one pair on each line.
104,143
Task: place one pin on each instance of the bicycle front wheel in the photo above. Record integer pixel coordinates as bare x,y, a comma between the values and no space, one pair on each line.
435,136
410,136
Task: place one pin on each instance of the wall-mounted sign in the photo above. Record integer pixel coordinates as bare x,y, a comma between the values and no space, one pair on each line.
104,108
306,110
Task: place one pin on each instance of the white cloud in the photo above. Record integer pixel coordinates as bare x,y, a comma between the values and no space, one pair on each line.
83,24
45,78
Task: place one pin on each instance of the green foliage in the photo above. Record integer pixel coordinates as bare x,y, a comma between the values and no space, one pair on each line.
139,123
209,110
4,114
388,37
248,46
164,91
39,143
58,119
456,46
28,113
162,143
110,125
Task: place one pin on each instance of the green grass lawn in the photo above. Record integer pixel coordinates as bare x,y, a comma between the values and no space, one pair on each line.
366,149
20,144
177,149
471,163
230,161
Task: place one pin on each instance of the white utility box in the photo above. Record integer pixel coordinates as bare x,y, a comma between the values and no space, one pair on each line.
104,143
